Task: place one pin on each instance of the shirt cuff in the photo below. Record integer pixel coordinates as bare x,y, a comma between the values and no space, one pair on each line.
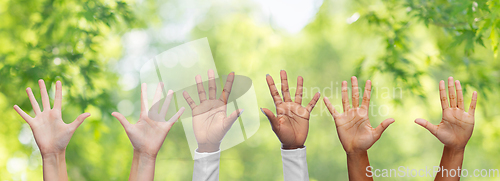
296,153
210,156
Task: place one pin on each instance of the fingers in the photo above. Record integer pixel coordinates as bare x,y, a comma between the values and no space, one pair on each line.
58,96
424,123
177,115
330,107
442,94
212,87
122,119
313,102
232,118
460,95
345,97
272,118
45,96
298,93
473,102
227,88
189,100
156,98
144,100
25,116
355,92
166,103
34,103
79,120
451,91
201,89
274,91
284,87
381,128
367,94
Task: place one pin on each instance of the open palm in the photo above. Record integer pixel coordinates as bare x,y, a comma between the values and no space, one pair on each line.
148,134
291,122
210,120
353,126
51,134
456,125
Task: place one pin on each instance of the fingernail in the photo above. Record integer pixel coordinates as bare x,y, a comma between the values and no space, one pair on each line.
241,112
262,111
267,75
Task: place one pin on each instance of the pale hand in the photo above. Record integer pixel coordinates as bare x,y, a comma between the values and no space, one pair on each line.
456,125
210,120
291,124
51,134
148,134
353,126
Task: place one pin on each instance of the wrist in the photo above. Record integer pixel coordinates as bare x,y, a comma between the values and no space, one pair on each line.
356,153
145,156
457,151
291,147
208,148
53,155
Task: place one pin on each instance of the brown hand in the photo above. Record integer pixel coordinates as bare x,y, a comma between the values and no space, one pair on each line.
291,124
353,126
456,125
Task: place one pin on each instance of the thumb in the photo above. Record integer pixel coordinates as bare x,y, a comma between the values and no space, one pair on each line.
233,117
270,115
177,115
79,120
381,128
122,119
424,123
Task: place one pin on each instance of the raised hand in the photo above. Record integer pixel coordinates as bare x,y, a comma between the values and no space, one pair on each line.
210,120
354,129
456,125
455,128
148,134
291,122
51,134
353,126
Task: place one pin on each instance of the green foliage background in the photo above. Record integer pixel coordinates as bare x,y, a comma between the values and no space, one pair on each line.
402,46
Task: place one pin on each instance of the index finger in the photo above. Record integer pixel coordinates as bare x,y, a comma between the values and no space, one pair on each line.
366,96
442,95
274,91
227,88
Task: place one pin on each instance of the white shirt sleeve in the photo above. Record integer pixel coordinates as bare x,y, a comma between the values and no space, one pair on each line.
295,164
206,166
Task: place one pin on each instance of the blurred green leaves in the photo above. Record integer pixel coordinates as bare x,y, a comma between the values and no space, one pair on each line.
409,45
74,41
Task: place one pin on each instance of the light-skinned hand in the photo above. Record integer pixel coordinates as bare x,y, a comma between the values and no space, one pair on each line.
210,120
51,134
